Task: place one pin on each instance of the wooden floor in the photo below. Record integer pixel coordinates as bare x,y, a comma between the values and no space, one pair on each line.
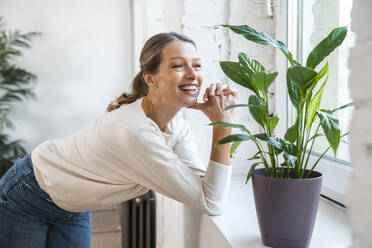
106,229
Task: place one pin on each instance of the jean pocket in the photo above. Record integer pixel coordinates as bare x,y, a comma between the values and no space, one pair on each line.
33,187
11,173
7,182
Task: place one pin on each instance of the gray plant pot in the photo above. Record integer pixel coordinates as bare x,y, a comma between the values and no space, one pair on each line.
286,208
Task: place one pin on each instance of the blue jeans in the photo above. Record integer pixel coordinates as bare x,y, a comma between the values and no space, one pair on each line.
30,219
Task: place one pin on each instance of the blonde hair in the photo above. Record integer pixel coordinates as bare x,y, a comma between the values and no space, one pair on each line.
150,59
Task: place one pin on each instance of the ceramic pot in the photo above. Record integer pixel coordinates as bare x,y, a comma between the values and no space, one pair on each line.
286,208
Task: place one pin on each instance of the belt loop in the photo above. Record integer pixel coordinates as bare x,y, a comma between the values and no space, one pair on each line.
28,163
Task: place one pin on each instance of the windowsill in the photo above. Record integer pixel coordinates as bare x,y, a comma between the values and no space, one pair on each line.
239,226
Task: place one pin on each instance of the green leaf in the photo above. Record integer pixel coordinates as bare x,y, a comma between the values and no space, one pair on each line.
273,122
294,93
233,138
269,140
278,150
255,156
251,171
258,109
286,146
311,85
235,106
315,136
289,159
251,65
300,75
238,74
329,123
313,106
290,148
225,124
261,38
234,146
326,46
242,105
291,134
308,88
342,107
262,80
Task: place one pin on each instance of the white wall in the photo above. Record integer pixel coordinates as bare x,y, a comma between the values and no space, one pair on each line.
83,60
360,196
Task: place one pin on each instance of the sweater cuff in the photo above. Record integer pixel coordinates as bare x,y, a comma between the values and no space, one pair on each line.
218,175
217,185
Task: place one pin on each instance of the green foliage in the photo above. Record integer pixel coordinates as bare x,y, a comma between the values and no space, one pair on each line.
326,46
301,82
15,86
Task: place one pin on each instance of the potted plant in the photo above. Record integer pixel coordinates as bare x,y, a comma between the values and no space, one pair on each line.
287,189
15,85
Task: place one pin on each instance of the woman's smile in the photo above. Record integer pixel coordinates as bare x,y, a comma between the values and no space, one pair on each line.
190,89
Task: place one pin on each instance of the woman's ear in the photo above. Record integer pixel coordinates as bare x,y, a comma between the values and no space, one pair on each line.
148,79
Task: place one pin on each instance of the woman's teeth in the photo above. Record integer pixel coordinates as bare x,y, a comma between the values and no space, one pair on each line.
188,87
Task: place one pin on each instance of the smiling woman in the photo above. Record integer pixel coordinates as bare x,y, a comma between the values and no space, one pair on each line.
178,80
142,142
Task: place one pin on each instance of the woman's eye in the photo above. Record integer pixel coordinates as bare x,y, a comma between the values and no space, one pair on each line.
177,66
197,65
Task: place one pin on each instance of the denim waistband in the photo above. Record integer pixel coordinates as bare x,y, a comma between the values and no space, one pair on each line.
28,164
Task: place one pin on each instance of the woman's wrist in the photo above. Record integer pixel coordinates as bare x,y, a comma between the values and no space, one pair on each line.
220,153
220,132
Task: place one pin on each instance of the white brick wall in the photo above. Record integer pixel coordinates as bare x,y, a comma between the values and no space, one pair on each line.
360,195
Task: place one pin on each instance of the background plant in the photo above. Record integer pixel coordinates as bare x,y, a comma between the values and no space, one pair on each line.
15,86
302,81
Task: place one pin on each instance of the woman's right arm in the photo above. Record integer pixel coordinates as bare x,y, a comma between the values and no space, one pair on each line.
154,165
216,98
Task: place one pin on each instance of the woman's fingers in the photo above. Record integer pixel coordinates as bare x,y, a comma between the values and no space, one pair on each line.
234,93
218,89
211,90
213,107
205,96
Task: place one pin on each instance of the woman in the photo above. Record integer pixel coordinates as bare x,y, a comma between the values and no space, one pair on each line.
140,143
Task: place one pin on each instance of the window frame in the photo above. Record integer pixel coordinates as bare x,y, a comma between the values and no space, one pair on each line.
334,170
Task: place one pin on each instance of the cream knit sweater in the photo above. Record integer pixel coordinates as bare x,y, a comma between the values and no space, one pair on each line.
121,155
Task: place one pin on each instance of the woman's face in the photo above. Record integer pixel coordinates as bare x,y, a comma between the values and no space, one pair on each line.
179,77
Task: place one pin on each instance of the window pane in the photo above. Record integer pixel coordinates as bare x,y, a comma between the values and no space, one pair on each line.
316,18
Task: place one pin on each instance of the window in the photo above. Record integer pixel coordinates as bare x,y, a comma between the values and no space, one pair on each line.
308,22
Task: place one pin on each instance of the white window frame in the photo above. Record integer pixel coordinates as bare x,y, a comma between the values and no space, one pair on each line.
337,173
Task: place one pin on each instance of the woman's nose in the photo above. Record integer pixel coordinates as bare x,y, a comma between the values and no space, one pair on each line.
191,73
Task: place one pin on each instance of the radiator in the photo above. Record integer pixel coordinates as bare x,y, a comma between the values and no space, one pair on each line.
139,222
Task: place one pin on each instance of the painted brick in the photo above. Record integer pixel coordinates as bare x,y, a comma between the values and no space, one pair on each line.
360,196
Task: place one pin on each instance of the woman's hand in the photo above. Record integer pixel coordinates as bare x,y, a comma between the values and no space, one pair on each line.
216,98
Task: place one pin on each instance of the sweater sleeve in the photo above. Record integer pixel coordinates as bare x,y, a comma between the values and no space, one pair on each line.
187,151
156,166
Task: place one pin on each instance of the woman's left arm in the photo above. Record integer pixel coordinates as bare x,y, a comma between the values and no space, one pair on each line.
186,149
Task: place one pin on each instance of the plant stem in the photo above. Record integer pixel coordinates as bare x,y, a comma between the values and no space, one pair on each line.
303,165
304,144
311,148
269,134
309,173
262,153
299,138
